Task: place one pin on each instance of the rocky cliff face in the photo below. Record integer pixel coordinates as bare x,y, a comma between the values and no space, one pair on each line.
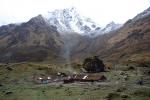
33,40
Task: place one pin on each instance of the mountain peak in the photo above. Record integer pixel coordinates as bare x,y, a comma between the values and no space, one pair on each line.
71,9
111,23
69,20
111,26
38,20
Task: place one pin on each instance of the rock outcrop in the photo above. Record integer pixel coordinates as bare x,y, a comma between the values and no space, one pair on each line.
93,65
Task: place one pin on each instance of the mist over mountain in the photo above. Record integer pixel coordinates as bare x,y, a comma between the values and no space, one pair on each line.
65,34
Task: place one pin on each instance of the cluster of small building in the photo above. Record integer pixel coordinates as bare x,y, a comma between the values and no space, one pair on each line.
91,65
69,78
84,78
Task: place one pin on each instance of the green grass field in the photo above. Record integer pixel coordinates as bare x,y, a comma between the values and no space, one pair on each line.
16,84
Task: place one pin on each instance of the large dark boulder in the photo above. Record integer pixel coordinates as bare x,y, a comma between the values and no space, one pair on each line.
93,65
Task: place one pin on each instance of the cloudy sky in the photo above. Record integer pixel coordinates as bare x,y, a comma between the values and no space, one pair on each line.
101,11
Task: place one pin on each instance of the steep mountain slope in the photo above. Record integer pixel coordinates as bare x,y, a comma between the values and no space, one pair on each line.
34,40
129,42
39,40
145,13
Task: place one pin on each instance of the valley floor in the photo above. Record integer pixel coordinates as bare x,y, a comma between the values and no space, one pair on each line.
16,84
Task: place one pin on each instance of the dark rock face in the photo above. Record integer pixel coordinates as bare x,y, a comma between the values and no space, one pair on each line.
34,40
93,65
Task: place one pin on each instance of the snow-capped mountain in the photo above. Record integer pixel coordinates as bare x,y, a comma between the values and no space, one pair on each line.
69,20
110,27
